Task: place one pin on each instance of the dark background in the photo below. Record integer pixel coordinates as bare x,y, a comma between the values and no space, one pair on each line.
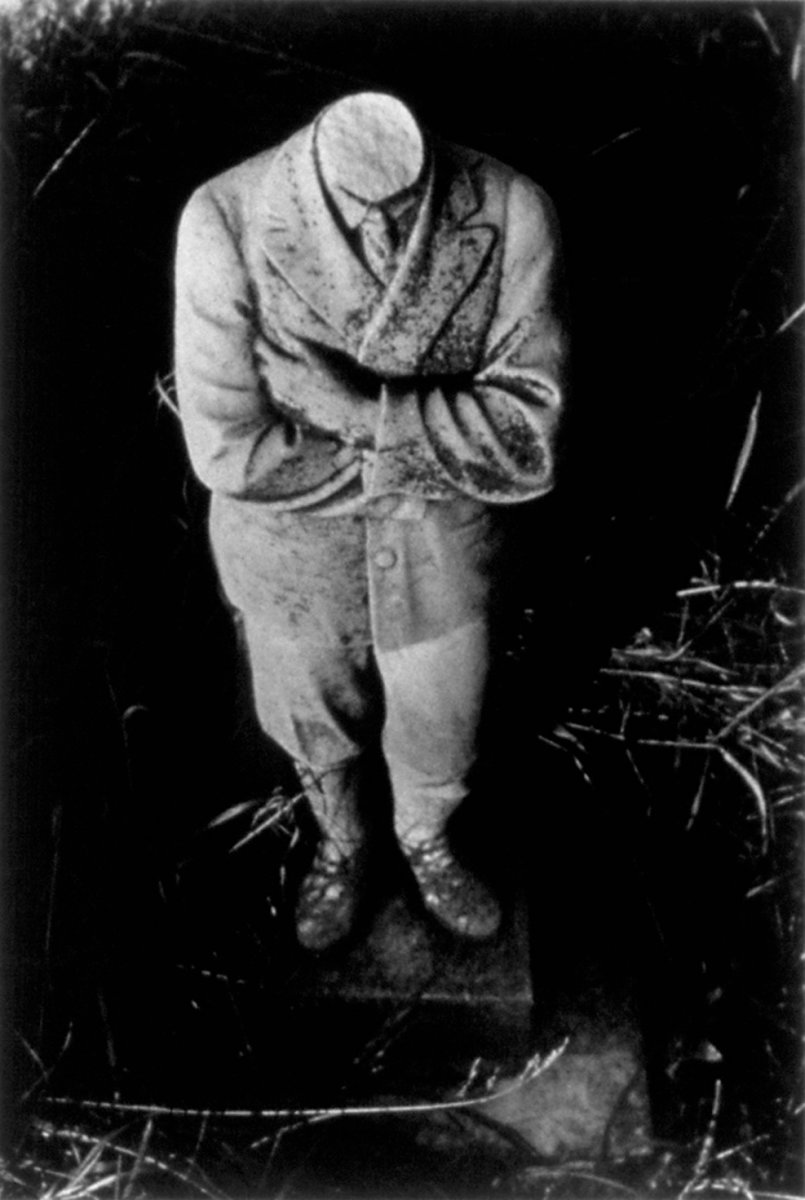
669,137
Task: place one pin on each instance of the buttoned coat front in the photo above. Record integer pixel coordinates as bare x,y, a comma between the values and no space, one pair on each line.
342,423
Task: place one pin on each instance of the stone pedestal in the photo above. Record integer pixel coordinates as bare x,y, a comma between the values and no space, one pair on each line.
420,1009
431,1019
411,1016
232,1015
591,1100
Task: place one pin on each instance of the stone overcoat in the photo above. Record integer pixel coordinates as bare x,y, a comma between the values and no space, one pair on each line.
345,426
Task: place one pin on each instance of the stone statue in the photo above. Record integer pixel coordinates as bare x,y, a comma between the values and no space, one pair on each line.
369,369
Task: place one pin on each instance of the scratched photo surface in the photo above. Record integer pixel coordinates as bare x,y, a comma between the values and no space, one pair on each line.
640,788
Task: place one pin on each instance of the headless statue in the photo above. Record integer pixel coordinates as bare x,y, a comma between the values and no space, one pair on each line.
366,546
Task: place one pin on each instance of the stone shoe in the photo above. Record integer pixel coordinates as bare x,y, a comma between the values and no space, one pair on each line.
455,897
329,898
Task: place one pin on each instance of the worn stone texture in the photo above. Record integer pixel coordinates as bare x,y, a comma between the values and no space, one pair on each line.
590,1103
369,145
432,1004
403,956
273,300
438,1007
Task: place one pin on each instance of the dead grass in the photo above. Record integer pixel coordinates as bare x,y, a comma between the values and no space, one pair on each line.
717,681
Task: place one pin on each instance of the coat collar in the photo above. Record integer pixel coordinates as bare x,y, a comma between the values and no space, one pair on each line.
354,211
389,329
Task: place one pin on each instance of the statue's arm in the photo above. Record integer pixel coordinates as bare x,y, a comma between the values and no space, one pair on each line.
491,436
240,440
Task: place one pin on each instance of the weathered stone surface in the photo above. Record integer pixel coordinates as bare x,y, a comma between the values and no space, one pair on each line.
433,1011
237,1016
591,1103
433,1005
404,954
369,145
592,1100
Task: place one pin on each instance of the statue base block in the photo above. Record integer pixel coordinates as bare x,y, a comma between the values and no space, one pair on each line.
418,1010
407,1016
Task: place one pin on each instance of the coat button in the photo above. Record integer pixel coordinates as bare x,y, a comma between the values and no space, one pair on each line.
385,557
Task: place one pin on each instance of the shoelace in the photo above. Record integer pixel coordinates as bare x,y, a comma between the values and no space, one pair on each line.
441,876
325,872
431,853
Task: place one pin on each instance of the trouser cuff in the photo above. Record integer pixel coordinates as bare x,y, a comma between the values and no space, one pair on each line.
422,807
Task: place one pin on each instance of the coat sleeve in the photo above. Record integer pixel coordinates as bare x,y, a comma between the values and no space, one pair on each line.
239,442
491,436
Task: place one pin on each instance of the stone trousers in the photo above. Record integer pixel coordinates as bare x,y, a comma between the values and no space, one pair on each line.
421,703
364,632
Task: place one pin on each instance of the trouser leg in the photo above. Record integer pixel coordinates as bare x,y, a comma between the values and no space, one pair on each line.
334,798
434,693
323,705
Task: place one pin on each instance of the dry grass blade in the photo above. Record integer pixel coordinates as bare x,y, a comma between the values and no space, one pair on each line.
141,1157
697,799
264,815
739,585
561,738
166,394
746,450
679,680
657,743
76,1184
783,685
535,1066
789,321
759,19
75,1187
787,501
569,1173
774,1196
754,787
231,814
708,1142
273,813
621,137
62,159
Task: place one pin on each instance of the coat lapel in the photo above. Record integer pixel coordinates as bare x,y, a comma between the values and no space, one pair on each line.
446,254
391,329
305,245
